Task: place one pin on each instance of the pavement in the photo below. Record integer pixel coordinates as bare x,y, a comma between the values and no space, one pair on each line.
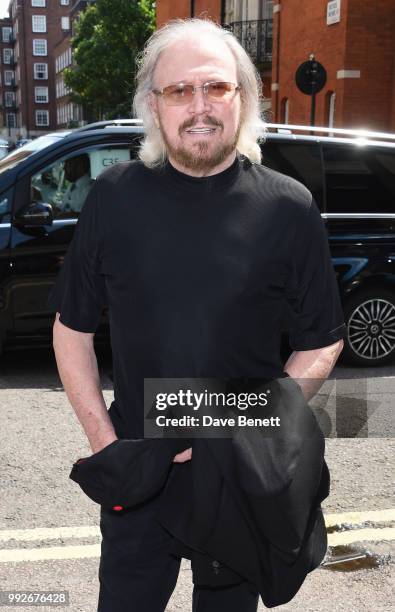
49,534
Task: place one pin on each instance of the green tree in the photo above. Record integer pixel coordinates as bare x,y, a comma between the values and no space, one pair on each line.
107,37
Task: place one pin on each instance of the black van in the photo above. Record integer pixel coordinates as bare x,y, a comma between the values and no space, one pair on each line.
352,178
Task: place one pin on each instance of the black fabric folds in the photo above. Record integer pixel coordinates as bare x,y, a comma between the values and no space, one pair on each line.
244,508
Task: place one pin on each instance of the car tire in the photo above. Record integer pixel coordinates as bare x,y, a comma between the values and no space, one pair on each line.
370,319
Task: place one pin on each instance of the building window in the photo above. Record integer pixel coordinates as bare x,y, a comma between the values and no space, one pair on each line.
7,56
39,46
42,117
9,98
64,2
6,34
65,21
38,3
11,120
8,76
39,23
41,71
41,94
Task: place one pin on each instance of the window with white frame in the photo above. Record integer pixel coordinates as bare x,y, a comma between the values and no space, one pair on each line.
64,2
9,98
41,94
7,56
39,46
38,3
40,71
6,34
8,76
42,117
11,122
39,23
65,22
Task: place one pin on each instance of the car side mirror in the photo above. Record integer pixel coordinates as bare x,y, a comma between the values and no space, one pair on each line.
37,213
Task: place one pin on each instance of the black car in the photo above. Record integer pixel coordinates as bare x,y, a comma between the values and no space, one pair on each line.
351,177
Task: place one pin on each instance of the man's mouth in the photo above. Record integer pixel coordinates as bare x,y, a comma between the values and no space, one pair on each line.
202,130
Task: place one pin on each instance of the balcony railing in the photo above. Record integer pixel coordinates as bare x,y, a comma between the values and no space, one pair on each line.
256,38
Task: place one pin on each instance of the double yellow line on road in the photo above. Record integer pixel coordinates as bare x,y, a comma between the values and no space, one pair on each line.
367,532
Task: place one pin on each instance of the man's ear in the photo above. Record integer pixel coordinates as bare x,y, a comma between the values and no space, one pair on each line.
153,105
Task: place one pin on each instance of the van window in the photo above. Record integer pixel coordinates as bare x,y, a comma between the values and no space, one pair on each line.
301,160
359,179
66,183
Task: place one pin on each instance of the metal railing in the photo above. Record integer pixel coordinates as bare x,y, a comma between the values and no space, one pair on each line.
256,37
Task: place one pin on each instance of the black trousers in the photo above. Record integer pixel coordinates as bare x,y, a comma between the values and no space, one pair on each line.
137,573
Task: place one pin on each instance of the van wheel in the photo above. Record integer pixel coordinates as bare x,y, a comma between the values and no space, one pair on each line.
370,319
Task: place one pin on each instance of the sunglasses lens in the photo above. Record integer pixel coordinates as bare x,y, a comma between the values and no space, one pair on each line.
219,90
178,94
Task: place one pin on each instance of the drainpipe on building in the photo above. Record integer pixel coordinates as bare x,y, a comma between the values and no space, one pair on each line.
22,22
277,11
192,8
222,17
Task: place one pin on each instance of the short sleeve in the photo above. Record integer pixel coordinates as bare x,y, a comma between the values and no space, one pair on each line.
79,291
316,315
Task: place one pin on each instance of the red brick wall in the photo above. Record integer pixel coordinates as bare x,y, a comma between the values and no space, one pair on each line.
171,9
371,45
364,40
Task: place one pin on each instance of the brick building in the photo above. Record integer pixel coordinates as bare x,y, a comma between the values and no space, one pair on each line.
35,49
355,43
353,40
7,76
38,25
68,113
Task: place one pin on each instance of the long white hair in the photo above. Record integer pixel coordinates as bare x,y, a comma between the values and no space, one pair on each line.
152,150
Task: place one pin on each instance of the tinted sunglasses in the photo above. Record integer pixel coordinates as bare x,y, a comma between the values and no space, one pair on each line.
182,93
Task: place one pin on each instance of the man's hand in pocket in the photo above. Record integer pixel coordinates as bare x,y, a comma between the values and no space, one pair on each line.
186,455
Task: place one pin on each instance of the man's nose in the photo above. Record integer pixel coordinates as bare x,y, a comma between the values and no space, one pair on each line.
199,102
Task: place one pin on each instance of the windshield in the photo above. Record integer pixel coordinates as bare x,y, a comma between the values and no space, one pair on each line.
17,155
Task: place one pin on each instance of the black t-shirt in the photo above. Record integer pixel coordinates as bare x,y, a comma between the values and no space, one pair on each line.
199,275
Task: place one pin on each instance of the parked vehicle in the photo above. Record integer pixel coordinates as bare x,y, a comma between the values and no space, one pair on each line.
22,141
352,178
4,148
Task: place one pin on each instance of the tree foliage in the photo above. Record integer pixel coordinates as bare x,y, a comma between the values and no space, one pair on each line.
107,36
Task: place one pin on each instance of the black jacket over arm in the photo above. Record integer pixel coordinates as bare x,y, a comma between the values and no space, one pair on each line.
245,507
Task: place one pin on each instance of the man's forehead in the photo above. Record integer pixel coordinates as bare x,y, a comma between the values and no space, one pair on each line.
194,60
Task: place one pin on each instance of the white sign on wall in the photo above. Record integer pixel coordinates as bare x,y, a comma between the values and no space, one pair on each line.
333,12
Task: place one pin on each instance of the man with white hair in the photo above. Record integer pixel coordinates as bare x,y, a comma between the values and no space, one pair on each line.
199,251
